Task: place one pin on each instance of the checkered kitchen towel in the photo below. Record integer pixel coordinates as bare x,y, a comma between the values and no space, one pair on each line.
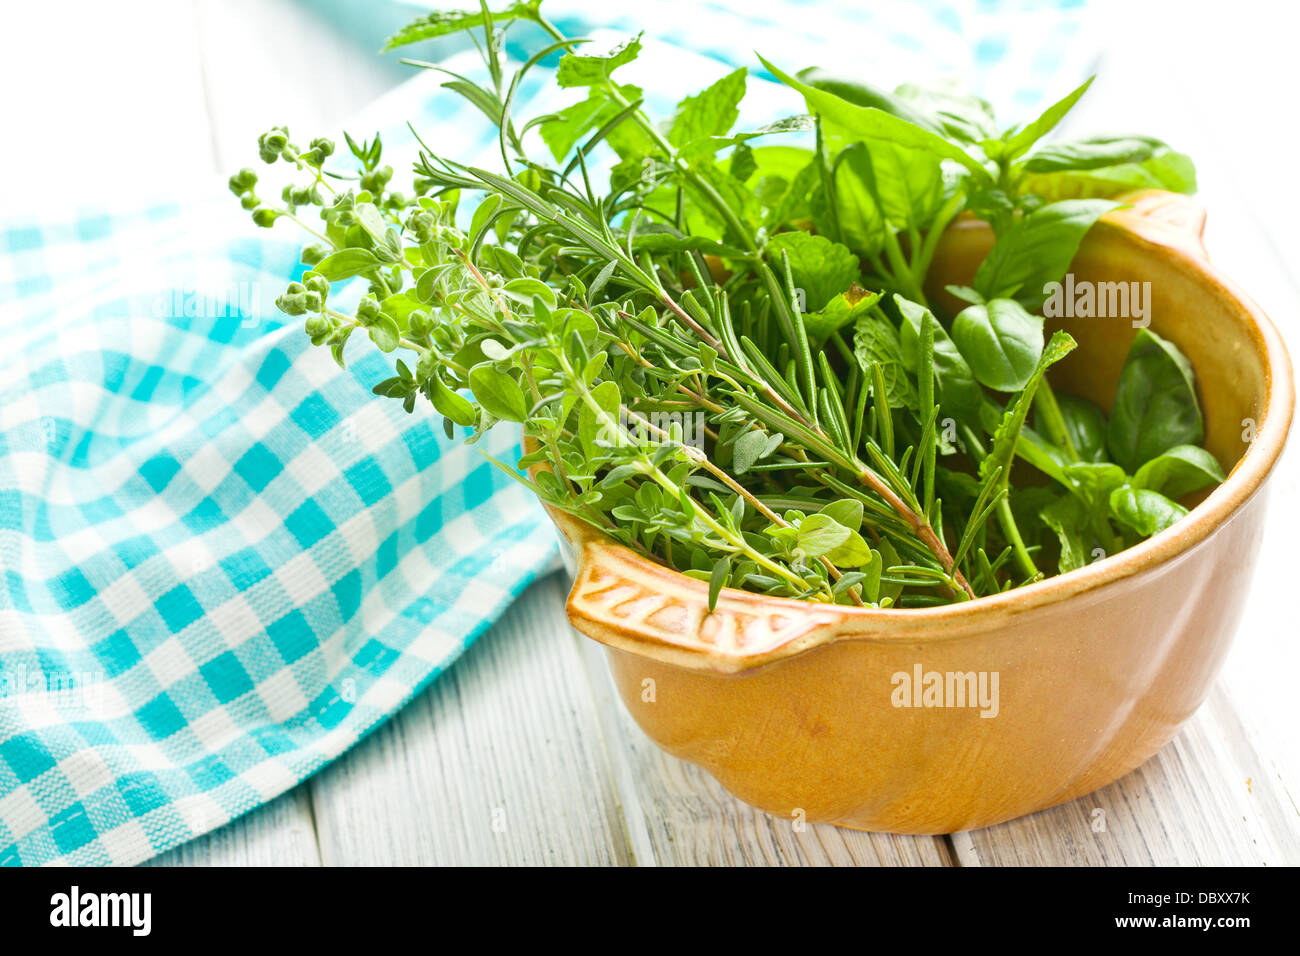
223,561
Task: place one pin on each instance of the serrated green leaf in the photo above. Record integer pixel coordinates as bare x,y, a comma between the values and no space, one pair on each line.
580,69
711,112
820,267
442,22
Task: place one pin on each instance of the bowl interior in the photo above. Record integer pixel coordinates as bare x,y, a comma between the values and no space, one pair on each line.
1183,304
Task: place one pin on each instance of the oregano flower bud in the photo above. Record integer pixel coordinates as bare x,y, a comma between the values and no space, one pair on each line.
314,253
367,310
291,304
317,283
420,323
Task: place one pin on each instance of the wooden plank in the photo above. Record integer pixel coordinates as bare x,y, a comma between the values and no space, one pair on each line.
500,761
685,817
1205,799
279,834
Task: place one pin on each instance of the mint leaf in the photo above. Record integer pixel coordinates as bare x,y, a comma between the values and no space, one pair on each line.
579,69
821,268
839,312
876,341
440,23
711,112
563,129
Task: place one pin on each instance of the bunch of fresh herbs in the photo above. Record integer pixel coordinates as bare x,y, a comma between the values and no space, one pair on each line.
724,357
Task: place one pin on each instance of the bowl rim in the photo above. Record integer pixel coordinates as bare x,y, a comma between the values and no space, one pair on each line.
1180,242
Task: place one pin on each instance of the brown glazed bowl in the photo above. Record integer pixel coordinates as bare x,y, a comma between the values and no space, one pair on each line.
791,705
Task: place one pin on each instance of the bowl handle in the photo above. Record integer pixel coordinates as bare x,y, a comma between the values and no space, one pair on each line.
623,601
1165,218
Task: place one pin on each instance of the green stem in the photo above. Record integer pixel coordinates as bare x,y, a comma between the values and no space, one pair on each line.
1053,422
1006,520
921,261
902,274
1009,528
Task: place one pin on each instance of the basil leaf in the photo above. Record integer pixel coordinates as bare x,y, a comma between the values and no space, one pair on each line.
1180,470
960,116
1094,152
1086,424
874,124
1001,342
1006,435
1155,407
1043,455
861,223
1067,517
1092,482
1037,250
1020,142
1106,166
905,183
1146,512
860,93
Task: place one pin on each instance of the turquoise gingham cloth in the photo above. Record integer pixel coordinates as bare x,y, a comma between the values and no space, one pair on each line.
223,561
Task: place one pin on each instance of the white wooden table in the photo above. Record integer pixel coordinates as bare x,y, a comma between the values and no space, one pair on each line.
521,753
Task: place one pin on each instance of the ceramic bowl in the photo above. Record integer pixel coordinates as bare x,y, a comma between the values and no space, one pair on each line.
802,709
